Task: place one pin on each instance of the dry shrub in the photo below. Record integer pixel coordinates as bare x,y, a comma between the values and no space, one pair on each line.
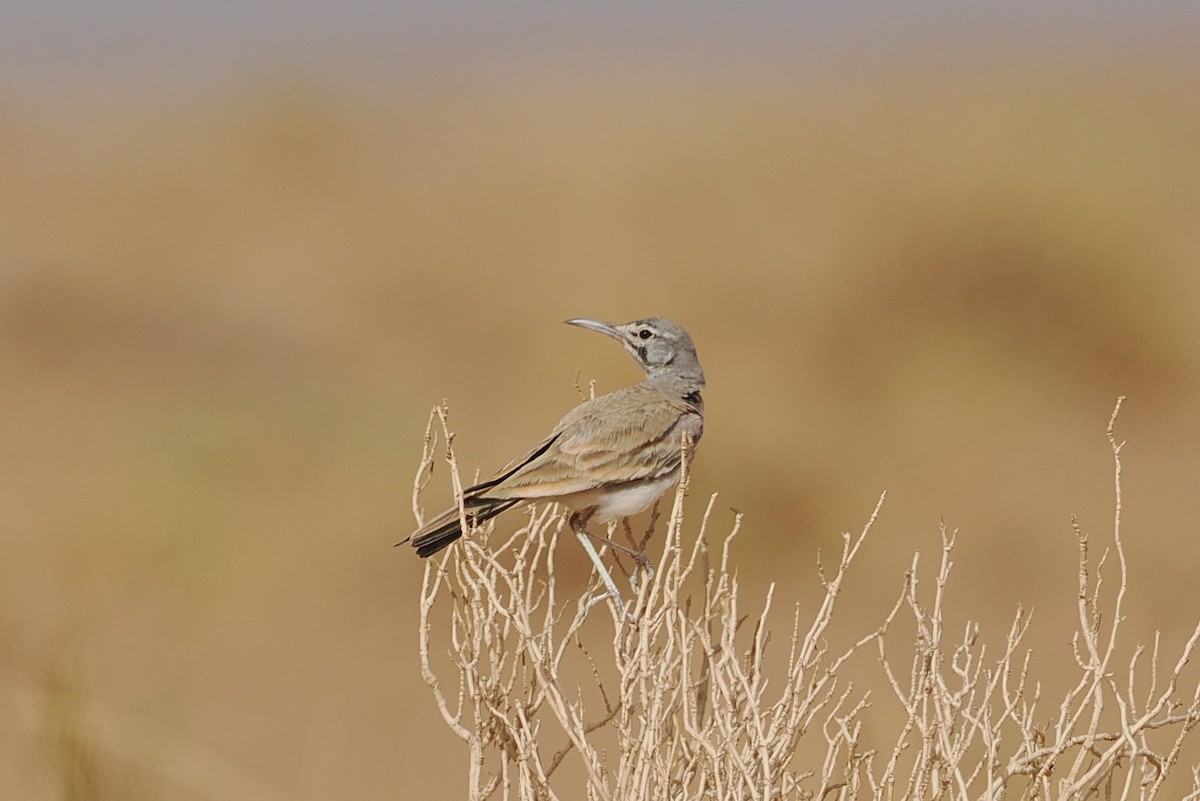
679,702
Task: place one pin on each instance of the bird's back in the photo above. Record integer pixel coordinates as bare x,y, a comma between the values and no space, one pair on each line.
632,434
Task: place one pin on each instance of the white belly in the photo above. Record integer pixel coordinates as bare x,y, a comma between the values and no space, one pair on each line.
625,501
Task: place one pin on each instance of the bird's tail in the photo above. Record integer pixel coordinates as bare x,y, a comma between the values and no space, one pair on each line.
447,527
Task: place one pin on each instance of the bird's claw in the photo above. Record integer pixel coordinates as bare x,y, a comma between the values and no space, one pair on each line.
644,565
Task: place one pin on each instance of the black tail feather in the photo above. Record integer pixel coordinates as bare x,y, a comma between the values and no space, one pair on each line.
430,542
478,509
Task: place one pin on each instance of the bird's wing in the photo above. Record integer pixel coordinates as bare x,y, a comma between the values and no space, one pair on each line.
512,467
630,435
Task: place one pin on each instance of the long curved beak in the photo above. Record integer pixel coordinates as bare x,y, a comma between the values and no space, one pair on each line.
596,325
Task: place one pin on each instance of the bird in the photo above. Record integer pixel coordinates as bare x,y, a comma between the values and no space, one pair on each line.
609,457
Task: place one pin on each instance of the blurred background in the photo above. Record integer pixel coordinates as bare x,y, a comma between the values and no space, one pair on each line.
245,247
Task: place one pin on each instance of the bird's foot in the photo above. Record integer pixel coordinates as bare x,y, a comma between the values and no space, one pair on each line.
644,566
605,577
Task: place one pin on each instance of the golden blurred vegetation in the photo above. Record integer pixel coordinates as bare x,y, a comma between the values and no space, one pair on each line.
223,320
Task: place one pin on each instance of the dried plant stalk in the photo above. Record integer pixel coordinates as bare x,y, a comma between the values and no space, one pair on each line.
679,700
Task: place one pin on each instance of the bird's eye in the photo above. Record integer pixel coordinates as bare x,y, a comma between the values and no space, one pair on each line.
645,333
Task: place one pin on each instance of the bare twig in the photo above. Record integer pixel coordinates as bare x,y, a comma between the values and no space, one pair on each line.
684,700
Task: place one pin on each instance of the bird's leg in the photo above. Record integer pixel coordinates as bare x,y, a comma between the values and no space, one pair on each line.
578,523
646,563
639,557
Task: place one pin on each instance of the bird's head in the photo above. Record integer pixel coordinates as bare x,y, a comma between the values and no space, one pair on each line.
662,347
